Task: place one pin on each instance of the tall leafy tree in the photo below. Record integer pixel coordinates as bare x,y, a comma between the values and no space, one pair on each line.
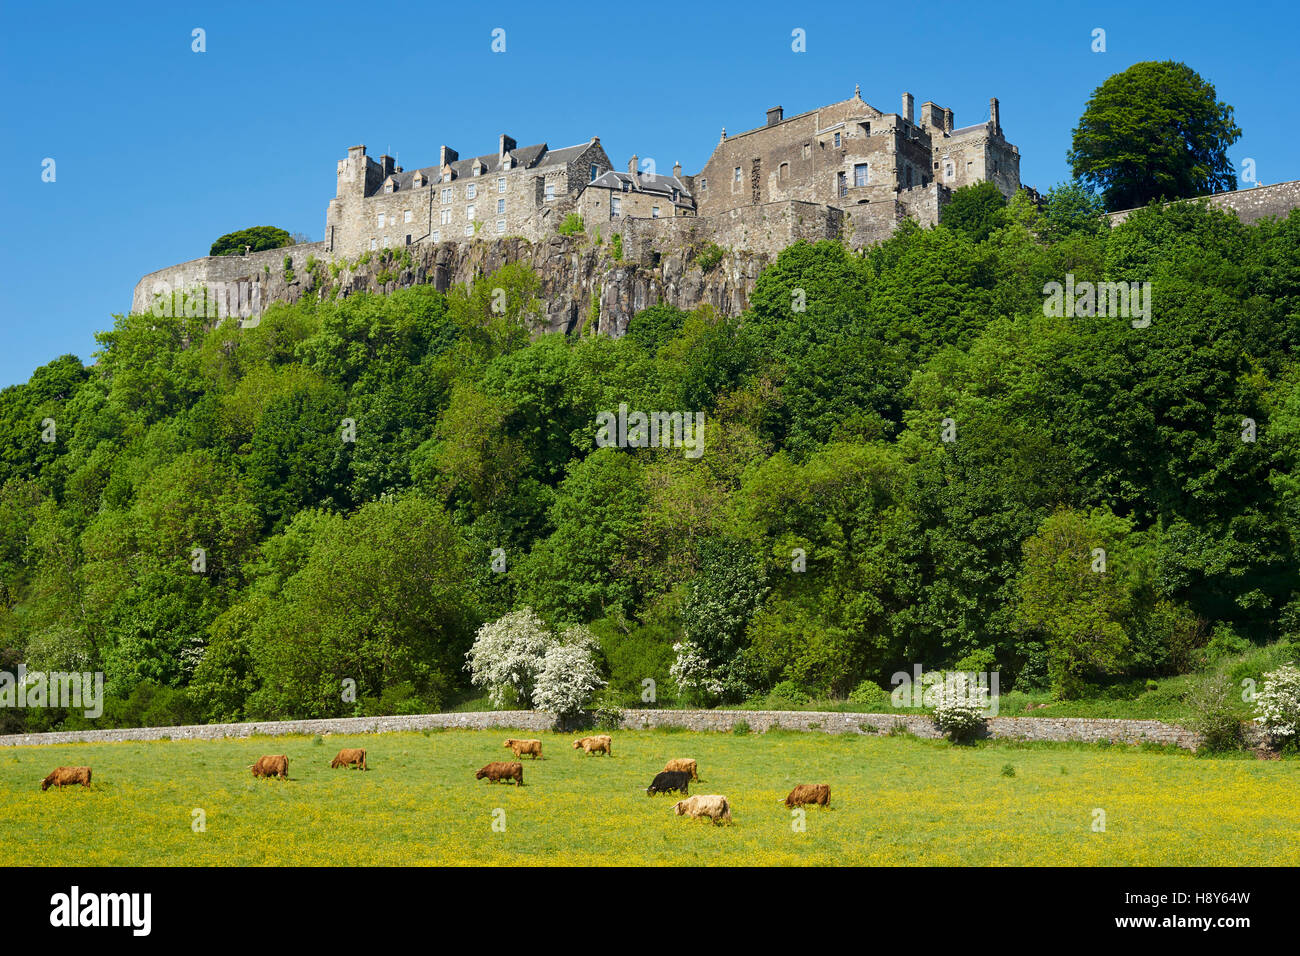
1155,131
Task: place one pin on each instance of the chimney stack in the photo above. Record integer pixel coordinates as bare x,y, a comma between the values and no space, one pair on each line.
677,170
447,155
947,120
633,165
907,107
386,164
506,144
993,115
774,115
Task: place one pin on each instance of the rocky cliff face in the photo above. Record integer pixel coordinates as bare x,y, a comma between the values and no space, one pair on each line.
581,281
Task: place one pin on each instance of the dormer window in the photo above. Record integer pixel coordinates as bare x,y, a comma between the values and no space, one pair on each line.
418,179
390,185
446,177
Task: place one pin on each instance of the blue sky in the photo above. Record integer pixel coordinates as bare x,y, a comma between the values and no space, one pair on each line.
159,149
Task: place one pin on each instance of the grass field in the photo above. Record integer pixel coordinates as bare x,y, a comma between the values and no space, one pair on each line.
894,801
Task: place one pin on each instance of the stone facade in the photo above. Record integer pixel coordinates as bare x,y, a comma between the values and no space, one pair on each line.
513,192
851,154
1058,729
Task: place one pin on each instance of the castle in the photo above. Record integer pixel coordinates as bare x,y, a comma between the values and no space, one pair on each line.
855,172
846,171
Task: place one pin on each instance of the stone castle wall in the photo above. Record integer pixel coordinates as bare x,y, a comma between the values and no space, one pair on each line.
1250,205
1056,729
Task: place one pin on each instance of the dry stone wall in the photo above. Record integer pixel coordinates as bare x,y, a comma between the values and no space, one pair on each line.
1059,729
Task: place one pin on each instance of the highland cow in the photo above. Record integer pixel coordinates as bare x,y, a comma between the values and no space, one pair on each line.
818,793
685,764
521,747
713,806
669,780
355,757
276,765
496,772
62,776
599,744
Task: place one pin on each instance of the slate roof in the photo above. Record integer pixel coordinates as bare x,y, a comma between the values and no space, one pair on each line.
646,183
525,157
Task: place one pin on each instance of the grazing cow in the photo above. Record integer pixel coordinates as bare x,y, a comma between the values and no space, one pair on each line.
669,780
684,763
355,757
496,772
521,747
599,744
276,765
62,776
818,793
713,806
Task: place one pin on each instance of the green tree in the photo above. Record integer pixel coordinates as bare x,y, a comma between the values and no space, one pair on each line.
256,238
975,210
1155,131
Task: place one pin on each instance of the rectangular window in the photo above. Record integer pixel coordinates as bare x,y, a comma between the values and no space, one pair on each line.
385,242
859,174
550,192
406,216
654,212
408,238
374,244
501,184
616,205
446,194
469,211
471,190
807,150
380,222
736,175
595,171
437,235
841,185
501,207
446,216
501,226
469,229
837,140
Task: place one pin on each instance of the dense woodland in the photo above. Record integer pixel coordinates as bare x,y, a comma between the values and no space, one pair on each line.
827,535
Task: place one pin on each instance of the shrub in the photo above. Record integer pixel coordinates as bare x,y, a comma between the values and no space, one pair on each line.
1225,643
1213,715
870,694
1008,770
959,707
740,728
709,257
508,654
572,225
1277,705
607,717
616,246
785,695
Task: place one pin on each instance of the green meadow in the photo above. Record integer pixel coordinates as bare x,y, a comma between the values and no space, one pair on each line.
895,801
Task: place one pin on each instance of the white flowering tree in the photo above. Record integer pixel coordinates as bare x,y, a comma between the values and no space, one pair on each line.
959,705
1277,705
508,654
691,671
568,675
518,653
